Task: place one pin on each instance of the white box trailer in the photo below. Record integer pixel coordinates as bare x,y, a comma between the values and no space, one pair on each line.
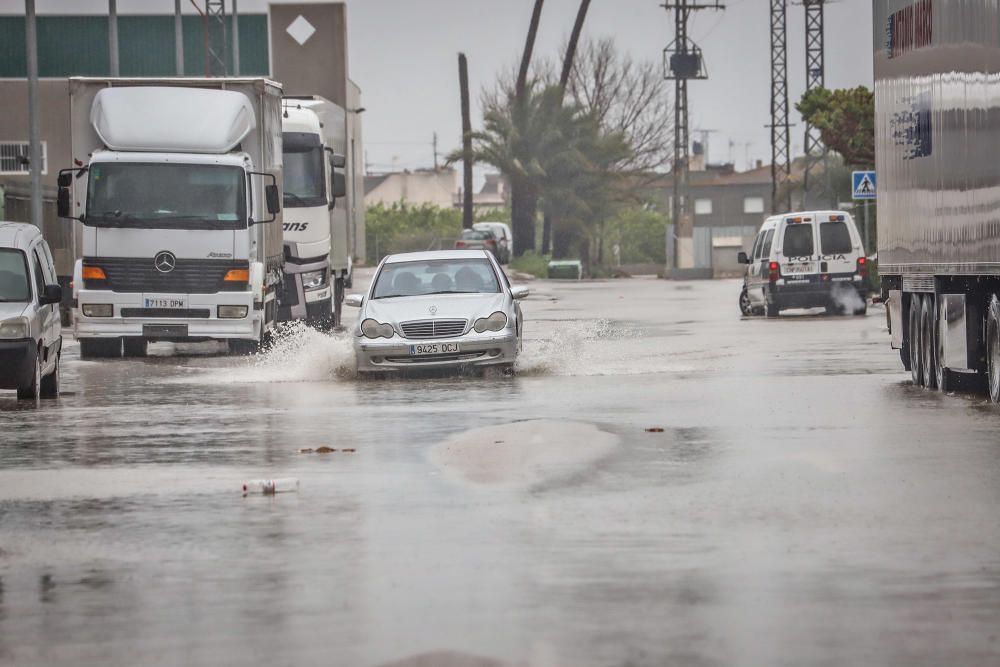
175,186
937,102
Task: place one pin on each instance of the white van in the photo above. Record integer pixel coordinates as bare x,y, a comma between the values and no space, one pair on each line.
30,328
805,260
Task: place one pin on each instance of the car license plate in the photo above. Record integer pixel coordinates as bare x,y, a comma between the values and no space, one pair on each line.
166,302
433,348
805,267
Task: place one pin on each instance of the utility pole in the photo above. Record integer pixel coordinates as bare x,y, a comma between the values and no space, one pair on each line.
178,39
113,37
236,40
463,80
434,142
214,20
781,161
683,61
815,78
34,131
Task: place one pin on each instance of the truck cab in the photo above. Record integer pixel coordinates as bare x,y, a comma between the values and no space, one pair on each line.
178,207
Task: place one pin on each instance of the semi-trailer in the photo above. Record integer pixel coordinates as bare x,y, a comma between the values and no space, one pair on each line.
937,114
175,190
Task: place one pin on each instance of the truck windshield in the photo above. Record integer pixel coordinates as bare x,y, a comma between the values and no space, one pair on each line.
304,176
166,196
13,276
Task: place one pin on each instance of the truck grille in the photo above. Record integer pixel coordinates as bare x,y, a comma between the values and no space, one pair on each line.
190,276
433,328
183,313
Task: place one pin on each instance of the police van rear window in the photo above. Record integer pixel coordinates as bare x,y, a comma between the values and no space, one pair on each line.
798,240
835,237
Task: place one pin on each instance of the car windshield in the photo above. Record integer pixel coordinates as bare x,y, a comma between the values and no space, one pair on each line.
445,276
165,196
303,170
13,276
476,235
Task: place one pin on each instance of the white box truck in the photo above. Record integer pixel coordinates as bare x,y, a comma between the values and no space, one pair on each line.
317,245
175,185
937,67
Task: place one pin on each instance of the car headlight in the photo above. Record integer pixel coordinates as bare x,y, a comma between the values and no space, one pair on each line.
314,279
15,327
495,322
374,329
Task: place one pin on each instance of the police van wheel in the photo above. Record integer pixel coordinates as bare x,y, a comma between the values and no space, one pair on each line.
772,310
916,363
745,308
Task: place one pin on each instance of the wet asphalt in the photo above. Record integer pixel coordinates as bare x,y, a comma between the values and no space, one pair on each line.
797,501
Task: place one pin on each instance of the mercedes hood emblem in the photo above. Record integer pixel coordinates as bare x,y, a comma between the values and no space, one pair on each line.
165,262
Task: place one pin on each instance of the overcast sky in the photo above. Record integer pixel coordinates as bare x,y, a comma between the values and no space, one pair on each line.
403,55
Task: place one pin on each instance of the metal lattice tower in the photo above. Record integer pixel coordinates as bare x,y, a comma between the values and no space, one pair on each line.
815,78
215,38
682,61
781,162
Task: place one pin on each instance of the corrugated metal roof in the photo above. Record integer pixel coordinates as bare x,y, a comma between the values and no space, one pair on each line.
78,46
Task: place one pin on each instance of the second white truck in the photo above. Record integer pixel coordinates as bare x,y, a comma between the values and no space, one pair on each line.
317,245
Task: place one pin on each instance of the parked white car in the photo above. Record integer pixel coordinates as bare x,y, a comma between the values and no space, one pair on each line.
505,240
438,310
30,328
805,260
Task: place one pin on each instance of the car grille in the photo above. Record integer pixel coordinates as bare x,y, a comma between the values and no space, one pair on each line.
433,328
190,276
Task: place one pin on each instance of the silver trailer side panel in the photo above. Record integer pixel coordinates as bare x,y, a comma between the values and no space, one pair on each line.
937,108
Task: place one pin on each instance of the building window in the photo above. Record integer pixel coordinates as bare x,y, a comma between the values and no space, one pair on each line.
14,158
702,206
753,204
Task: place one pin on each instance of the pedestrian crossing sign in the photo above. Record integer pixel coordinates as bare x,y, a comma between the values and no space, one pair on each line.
863,184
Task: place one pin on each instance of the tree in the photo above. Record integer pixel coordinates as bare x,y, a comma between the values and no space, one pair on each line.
846,120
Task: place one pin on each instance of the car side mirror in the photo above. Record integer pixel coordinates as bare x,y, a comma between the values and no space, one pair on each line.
742,258
354,300
519,292
52,294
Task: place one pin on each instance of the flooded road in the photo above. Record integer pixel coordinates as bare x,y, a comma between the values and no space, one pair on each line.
802,504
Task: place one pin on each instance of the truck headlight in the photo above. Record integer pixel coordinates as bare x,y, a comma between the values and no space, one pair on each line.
15,327
374,329
98,309
232,312
495,322
314,279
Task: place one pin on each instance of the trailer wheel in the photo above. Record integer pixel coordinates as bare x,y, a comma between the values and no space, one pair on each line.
946,380
993,348
135,346
929,342
916,366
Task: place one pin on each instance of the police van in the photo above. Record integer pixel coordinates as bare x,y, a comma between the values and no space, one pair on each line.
805,260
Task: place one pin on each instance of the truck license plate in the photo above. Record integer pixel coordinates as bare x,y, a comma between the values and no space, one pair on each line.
433,348
166,302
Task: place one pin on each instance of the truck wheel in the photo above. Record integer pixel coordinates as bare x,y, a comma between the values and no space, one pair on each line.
745,308
993,348
243,347
32,389
928,342
338,301
135,347
100,348
916,367
49,385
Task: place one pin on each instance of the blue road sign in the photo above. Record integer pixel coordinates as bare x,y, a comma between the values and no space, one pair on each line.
863,184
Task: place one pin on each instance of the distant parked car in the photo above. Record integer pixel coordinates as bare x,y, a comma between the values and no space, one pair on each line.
479,239
505,240
30,327
448,309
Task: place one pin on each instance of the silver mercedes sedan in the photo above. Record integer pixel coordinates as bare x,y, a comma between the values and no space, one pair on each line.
438,310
